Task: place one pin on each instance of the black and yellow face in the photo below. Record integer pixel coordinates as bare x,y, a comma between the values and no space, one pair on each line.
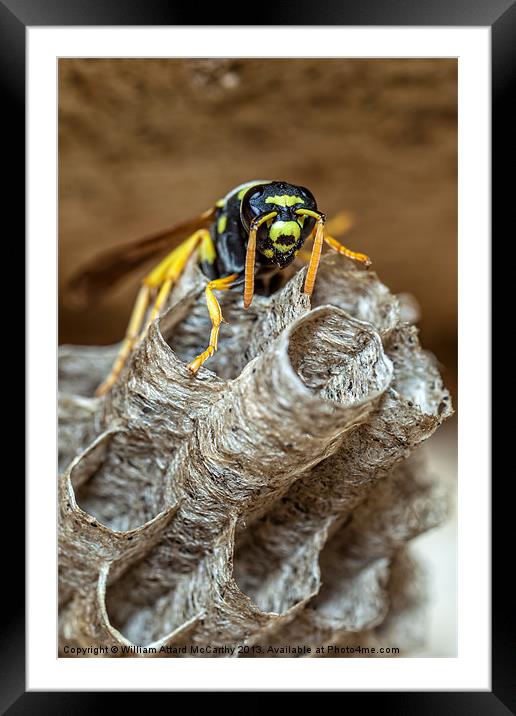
280,237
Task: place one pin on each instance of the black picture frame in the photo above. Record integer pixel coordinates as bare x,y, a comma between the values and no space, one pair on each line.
500,16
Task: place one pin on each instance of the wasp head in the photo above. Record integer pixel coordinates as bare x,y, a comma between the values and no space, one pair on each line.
272,208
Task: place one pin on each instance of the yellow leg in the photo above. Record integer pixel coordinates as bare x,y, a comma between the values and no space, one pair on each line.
219,284
168,271
162,277
337,246
131,337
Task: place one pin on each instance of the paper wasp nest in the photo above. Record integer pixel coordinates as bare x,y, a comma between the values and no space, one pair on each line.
265,504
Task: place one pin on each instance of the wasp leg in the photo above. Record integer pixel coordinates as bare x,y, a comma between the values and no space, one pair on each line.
337,246
165,275
219,284
162,277
131,337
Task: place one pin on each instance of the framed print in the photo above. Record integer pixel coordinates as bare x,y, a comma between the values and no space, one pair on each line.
248,367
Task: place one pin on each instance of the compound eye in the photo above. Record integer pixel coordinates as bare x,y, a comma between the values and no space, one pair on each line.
309,198
252,205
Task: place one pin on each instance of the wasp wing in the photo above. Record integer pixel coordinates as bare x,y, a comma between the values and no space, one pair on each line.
105,270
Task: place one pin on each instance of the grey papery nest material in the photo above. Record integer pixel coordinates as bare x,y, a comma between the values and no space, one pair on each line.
266,502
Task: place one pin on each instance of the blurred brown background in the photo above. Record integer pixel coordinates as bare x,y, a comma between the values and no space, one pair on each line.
145,143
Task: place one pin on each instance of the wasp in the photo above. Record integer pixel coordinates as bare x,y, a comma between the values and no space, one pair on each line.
258,227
